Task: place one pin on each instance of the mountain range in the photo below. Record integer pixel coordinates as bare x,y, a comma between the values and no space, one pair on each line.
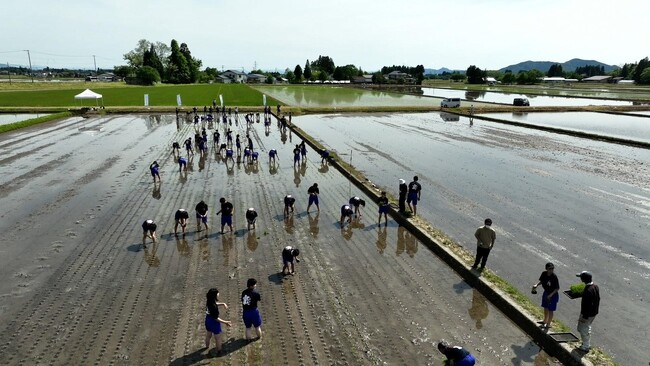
542,66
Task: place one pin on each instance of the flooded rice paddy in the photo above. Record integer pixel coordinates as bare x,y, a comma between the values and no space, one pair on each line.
8,118
579,203
507,98
629,127
75,192
319,96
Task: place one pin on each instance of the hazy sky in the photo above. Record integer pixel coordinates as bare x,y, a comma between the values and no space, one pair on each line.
367,33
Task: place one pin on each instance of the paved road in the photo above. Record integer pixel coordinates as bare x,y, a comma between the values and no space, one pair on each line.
579,203
79,289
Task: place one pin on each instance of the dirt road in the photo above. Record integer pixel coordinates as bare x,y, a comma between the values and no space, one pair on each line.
579,203
79,289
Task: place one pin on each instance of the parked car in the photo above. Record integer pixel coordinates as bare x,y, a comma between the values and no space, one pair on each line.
522,102
450,103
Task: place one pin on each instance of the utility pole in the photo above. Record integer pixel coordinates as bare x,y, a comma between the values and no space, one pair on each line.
95,62
255,65
31,73
9,73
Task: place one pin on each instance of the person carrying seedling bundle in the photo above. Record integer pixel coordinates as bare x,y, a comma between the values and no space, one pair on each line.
288,255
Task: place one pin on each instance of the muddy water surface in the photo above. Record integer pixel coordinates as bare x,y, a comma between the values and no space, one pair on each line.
75,192
581,204
536,100
6,119
616,125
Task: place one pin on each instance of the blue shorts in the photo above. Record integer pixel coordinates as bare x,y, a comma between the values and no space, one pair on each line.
226,220
550,305
212,325
204,219
413,198
313,199
154,172
229,153
296,158
182,163
467,361
383,209
252,318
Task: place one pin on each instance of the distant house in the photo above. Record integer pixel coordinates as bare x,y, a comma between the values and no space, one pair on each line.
364,79
554,79
255,78
628,82
397,75
223,79
108,77
597,79
235,76
490,80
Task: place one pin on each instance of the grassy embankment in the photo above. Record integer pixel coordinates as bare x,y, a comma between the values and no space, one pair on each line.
121,95
33,121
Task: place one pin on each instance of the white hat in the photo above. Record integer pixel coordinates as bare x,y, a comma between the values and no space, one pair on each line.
402,181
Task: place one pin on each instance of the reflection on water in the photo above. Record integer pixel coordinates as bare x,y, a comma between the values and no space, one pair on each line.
288,224
226,245
156,191
155,120
251,241
182,246
507,98
411,244
449,117
150,256
313,224
479,309
381,239
336,96
6,119
401,240
204,248
623,126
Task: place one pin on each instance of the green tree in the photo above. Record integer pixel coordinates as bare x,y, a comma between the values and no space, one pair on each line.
474,75
346,72
555,71
178,69
135,56
378,78
289,75
297,72
457,76
150,58
324,63
644,78
193,64
508,78
123,71
147,75
640,67
307,71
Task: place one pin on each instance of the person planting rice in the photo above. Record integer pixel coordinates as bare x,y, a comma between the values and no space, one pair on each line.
251,217
289,254
154,171
148,231
201,215
356,202
181,216
346,212
289,201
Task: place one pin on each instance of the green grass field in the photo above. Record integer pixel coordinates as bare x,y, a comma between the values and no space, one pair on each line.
122,95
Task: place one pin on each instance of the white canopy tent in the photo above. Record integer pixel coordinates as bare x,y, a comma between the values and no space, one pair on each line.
89,94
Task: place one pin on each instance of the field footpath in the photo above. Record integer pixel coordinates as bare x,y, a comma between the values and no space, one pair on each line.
459,260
